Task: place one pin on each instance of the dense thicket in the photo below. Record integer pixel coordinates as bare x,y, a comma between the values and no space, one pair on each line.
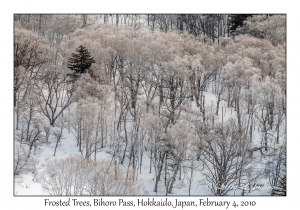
162,96
73,176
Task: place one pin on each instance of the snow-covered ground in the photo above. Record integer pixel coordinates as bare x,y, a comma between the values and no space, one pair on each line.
27,185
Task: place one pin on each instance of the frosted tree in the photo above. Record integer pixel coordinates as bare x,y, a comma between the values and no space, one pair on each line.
31,53
57,133
75,176
174,87
269,27
276,171
239,75
91,117
179,138
22,162
155,144
30,131
269,102
20,96
29,137
225,158
55,93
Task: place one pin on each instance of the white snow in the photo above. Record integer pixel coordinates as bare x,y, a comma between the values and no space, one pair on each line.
27,185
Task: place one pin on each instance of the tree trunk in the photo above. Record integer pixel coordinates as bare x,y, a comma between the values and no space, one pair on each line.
218,103
160,167
239,116
126,142
150,160
173,178
251,128
56,145
203,108
172,101
191,178
278,125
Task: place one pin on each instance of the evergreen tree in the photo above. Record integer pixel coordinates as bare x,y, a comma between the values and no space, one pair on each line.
280,190
235,21
81,61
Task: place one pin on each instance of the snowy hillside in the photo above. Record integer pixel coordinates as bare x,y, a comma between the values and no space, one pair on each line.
150,105
28,185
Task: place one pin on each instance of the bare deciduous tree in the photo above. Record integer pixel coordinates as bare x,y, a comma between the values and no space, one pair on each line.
225,158
55,93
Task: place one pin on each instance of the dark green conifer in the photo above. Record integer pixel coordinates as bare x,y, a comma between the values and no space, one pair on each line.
280,190
80,61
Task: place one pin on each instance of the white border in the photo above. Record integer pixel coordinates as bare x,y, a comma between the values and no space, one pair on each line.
7,201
